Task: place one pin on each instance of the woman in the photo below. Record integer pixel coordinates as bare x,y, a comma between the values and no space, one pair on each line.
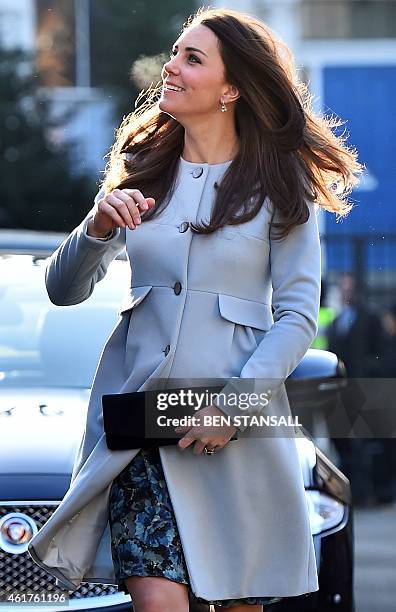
195,180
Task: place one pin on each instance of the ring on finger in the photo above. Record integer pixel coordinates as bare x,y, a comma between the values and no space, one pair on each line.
141,206
209,451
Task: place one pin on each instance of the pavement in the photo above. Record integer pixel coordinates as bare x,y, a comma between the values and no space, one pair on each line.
375,558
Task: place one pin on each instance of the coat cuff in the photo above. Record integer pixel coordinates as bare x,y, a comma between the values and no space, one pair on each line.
111,237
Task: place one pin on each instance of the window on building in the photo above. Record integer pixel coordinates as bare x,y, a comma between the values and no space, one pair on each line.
349,18
56,44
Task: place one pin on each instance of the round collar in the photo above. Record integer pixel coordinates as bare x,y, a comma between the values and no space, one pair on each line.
188,164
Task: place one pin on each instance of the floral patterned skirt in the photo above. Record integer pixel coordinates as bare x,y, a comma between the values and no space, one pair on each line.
144,535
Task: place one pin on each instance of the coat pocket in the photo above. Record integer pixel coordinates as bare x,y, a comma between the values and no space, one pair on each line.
134,297
255,317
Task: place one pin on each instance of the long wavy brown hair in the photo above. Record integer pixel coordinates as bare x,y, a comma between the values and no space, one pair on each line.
287,152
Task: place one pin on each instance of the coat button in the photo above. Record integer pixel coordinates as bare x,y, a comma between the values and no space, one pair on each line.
183,227
167,349
197,172
177,288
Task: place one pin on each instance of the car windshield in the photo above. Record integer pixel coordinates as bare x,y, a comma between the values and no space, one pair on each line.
46,345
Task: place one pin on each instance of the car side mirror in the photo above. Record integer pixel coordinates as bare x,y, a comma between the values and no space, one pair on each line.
317,380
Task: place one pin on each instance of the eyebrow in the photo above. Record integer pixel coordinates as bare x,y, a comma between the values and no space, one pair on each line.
191,49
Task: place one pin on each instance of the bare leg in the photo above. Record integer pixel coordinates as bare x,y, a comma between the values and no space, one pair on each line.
157,594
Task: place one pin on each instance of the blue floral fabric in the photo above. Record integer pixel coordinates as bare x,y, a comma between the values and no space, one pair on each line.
144,535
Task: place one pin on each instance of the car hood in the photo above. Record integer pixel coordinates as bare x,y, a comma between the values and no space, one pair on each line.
40,429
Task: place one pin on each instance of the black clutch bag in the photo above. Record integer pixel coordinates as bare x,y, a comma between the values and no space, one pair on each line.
134,420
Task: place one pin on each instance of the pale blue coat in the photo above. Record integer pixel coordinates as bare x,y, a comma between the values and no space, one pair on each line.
241,513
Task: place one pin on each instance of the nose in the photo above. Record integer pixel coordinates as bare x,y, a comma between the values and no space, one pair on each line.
171,66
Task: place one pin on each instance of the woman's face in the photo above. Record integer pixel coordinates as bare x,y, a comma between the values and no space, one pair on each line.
195,66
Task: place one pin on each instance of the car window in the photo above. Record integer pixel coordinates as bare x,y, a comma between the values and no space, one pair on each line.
46,345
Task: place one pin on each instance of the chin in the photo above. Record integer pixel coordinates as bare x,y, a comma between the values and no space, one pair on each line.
165,107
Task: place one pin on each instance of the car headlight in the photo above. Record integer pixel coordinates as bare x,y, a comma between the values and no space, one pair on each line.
325,512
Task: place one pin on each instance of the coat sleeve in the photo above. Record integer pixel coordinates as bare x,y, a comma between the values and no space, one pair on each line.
80,262
295,266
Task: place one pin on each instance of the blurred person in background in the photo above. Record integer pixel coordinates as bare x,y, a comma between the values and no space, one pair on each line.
355,333
355,336
326,317
384,460
388,343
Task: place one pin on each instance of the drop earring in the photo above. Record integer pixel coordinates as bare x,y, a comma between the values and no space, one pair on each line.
223,107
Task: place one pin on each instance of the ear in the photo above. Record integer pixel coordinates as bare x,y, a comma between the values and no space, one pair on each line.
231,94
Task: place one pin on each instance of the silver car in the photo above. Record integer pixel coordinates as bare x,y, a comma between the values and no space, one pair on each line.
48,357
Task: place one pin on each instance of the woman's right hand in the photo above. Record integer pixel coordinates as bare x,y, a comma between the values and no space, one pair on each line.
119,208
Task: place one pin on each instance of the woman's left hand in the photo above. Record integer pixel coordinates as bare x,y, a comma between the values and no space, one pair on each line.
212,436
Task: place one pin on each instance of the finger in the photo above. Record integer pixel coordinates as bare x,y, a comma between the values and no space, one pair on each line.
216,443
138,197
182,429
147,204
185,442
199,446
109,210
131,204
122,209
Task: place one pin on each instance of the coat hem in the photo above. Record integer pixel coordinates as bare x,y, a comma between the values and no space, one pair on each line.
70,586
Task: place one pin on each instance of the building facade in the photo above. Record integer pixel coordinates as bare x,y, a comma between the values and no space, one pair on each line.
344,49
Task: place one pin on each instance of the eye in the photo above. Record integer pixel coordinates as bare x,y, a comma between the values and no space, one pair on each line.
191,55
195,57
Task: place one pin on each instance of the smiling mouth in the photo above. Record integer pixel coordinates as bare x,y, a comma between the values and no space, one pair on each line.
175,89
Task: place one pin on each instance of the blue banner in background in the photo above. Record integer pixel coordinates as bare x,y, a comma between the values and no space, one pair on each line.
365,97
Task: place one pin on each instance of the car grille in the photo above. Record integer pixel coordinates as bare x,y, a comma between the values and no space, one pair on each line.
20,573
